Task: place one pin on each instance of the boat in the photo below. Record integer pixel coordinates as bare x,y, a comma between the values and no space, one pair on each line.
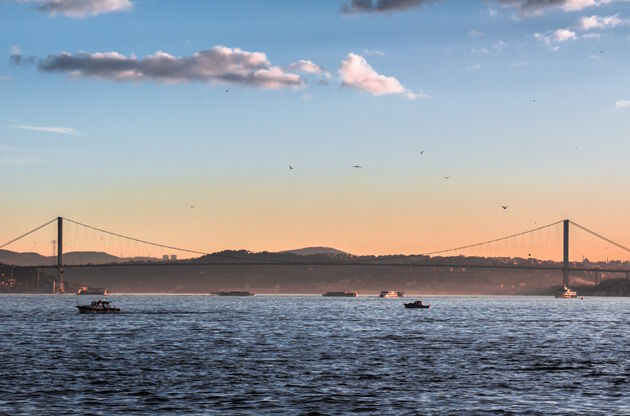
391,294
233,293
341,294
94,292
417,305
98,306
565,292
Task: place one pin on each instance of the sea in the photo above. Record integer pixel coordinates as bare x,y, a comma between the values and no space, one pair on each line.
314,355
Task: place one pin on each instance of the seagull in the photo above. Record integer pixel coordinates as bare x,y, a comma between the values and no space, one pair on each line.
446,177
291,167
227,90
357,166
504,206
421,152
534,100
192,206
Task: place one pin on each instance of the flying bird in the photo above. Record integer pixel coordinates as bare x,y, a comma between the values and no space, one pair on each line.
192,206
421,152
291,167
534,100
446,177
504,206
357,166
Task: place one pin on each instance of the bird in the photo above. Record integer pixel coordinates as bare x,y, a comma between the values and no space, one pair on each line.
421,152
227,90
446,177
357,166
534,100
291,167
601,51
529,254
504,206
192,206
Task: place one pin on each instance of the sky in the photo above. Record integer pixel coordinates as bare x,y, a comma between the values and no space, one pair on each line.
236,124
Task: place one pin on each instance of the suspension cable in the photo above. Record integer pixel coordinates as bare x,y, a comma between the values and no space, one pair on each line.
608,240
137,239
491,241
28,233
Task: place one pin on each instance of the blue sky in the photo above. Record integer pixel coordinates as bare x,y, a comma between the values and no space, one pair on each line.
522,106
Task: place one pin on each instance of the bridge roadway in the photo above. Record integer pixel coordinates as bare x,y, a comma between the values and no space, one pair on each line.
353,264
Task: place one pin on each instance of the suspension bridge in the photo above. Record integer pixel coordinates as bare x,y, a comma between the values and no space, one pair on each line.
445,258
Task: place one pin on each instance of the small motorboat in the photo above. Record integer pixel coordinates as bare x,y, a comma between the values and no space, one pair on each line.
416,305
98,306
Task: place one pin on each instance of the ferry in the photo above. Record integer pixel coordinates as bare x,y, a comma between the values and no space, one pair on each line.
98,306
341,294
233,293
391,294
565,292
95,292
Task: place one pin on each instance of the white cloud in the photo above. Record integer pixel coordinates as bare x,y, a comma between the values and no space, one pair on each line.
80,9
474,68
519,64
622,103
600,22
499,46
356,72
45,129
493,12
474,33
309,67
218,64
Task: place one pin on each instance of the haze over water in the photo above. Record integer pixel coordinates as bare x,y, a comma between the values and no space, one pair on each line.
295,355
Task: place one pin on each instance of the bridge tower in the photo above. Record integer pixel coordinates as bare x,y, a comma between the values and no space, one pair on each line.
565,253
60,254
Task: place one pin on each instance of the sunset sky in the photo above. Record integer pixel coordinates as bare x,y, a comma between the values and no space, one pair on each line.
125,113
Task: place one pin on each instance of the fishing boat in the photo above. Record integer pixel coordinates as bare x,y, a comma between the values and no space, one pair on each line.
417,305
98,306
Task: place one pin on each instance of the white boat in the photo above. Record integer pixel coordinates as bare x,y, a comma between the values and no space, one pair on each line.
391,294
566,293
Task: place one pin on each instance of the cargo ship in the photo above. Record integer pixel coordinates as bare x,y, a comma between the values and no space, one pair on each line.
341,294
391,294
233,293
95,292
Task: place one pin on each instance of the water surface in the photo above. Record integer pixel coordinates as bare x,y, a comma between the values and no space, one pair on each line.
292,355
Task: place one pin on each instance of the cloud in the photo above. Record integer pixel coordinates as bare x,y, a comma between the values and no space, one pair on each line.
373,52
309,67
553,39
474,68
519,64
80,9
600,22
474,33
381,6
57,130
356,72
217,65
537,7
622,103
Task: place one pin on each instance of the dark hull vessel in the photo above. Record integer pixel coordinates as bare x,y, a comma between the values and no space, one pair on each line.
416,305
99,306
341,294
233,293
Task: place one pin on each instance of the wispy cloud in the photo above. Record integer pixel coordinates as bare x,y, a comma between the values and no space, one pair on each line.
553,39
356,72
47,129
519,64
474,33
79,9
375,52
219,64
19,161
622,103
537,7
600,22
474,68
309,67
381,6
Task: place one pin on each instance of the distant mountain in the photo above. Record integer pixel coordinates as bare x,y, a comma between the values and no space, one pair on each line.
23,259
73,257
309,251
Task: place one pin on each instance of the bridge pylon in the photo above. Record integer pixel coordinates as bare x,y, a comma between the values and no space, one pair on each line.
565,253
60,288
